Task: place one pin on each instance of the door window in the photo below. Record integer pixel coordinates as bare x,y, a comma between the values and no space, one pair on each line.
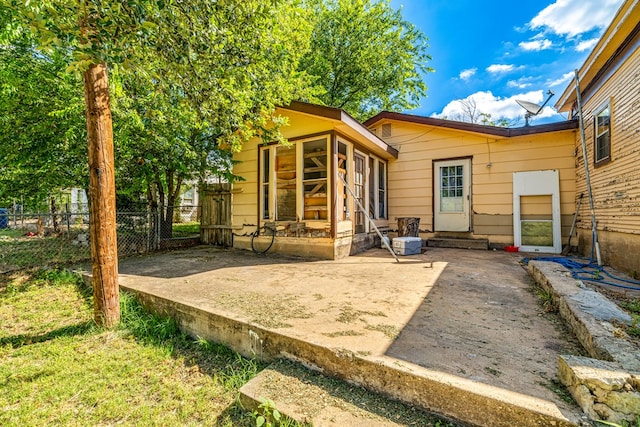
451,189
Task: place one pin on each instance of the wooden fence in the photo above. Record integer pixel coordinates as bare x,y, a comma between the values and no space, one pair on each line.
215,226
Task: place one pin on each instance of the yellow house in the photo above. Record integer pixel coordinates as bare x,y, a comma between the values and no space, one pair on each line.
461,180
299,188
609,82
469,181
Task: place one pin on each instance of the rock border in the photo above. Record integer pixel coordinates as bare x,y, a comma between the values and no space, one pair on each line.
606,384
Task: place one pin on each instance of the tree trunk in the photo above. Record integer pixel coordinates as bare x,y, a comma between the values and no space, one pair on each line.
54,216
104,247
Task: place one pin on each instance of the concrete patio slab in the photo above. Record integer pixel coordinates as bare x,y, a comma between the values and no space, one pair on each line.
453,331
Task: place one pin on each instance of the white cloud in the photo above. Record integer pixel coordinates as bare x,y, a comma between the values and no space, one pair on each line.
518,84
467,74
498,107
500,68
586,45
536,45
574,17
562,80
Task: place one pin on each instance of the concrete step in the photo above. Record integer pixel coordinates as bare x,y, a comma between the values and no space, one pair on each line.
445,242
311,398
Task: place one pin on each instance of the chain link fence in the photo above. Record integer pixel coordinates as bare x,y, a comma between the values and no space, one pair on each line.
38,239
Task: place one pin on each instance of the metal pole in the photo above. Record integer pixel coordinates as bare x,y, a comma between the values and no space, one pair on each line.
585,160
386,244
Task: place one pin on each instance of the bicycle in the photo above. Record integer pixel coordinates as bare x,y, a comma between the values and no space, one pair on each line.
262,239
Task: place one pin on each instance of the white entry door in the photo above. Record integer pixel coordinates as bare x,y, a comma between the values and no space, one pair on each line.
452,199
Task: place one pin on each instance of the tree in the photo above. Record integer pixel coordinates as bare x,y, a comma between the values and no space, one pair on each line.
231,62
470,113
42,138
365,57
193,109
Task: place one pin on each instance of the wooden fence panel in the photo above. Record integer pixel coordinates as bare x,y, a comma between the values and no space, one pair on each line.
215,226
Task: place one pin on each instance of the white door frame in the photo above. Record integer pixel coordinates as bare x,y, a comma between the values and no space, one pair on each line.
460,220
537,183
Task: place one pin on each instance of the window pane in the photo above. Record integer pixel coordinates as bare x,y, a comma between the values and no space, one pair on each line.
343,195
603,134
382,184
266,172
372,189
286,183
315,179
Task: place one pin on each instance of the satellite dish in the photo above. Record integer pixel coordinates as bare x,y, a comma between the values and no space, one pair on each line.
532,108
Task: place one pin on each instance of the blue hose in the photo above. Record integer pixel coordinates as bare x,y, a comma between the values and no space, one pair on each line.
589,271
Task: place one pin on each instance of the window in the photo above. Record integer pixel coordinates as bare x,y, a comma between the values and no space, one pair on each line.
314,179
386,130
382,187
286,183
451,189
603,135
294,181
343,195
358,190
266,174
372,188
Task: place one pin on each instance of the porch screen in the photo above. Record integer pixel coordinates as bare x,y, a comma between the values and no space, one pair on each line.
286,183
314,179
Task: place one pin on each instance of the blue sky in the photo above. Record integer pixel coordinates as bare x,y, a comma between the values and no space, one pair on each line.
495,52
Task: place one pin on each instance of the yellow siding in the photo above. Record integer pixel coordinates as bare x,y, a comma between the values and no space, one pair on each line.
615,185
410,177
245,198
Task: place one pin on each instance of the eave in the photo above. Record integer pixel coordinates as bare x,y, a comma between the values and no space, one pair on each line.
473,127
346,125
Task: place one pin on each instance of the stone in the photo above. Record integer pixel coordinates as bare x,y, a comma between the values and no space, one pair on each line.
593,373
624,401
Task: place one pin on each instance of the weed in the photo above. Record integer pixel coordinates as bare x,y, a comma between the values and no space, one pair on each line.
145,326
546,299
267,415
493,371
559,389
624,423
634,329
632,305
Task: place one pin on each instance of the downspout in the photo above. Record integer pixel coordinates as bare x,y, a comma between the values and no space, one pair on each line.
585,160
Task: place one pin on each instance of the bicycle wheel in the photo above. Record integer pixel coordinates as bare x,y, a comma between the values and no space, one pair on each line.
262,239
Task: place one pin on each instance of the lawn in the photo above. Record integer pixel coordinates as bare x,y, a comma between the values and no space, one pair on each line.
57,367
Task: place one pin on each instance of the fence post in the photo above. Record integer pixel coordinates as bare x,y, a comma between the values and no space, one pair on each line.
68,222
149,225
158,226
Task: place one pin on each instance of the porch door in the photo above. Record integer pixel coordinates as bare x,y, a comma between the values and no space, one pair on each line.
359,186
452,198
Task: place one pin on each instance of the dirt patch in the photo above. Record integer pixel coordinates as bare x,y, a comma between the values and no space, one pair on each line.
266,310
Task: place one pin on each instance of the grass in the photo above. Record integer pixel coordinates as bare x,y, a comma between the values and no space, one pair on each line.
57,367
633,307
186,229
18,250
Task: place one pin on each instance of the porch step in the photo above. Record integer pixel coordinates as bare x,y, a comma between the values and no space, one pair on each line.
312,398
444,242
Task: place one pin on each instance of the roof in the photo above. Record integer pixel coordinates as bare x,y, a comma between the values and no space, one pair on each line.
346,125
617,42
473,127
